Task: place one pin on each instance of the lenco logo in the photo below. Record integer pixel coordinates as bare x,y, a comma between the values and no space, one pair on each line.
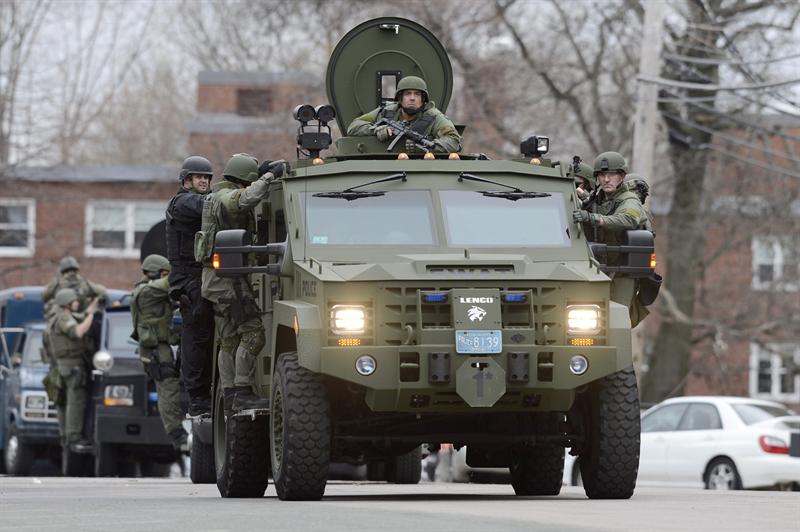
476,300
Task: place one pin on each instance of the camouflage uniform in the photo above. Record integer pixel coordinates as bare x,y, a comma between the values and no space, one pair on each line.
428,121
238,318
68,277
152,318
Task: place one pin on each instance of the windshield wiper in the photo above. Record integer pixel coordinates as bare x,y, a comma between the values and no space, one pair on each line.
514,194
351,193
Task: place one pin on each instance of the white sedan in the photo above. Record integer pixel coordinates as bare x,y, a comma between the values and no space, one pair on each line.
718,443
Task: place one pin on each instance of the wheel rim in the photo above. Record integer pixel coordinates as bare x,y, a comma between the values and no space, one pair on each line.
721,477
277,428
12,449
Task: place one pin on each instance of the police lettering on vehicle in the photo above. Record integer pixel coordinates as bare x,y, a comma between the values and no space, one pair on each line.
476,300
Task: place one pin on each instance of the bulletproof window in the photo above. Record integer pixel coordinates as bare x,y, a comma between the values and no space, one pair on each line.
701,416
253,102
775,371
17,227
387,85
663,419
775,263
116,228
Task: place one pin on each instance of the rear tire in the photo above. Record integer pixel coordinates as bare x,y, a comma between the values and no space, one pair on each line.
537,469
609,458
242,462
19,456
300,431
202,469
721,474
105,460
406,468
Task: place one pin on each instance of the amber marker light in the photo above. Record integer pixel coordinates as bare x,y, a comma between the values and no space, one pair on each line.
652,261
215,262
19,295
317,161
581,342
454,157
349,342
402,155
428,155
536,161
296,327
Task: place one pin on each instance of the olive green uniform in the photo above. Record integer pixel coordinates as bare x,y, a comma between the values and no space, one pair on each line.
429,121
237,316
86,290
152,318
71,354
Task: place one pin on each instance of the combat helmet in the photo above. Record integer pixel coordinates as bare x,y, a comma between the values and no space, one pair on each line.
155,264
610,161
638,184
195,165
241,167
411,82
68,263
65,296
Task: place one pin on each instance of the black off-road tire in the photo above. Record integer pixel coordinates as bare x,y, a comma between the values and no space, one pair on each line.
376,471
201,456
19,456
300,431
105,460
406,468
609,459
537,469
241,454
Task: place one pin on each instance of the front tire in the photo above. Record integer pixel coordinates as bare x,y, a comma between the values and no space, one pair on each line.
537,469
242,462
406,468
300,431
609,458
18,455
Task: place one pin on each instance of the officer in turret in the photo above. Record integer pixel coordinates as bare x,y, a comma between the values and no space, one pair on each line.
413,106
238,317
184,214
152,321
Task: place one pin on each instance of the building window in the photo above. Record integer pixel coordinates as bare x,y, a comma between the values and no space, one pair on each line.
116,229
251,102
17,227
775,372
776,264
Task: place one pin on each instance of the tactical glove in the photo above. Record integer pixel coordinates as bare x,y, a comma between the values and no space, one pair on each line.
382,132
584,217
276,168
263,168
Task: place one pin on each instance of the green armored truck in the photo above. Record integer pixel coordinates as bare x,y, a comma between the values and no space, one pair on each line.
414,297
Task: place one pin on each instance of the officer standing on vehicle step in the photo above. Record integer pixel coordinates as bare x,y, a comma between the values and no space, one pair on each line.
617,209
412,105
184,214
69,277
152,321
67,330
241,332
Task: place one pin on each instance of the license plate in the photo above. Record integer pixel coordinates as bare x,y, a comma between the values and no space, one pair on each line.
469,342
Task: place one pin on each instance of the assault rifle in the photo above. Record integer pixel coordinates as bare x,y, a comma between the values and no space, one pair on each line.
402,129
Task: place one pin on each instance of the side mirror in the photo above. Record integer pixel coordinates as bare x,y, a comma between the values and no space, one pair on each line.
231,248
635,257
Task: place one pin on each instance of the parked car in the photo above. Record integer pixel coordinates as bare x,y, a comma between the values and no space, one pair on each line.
30,420
717,443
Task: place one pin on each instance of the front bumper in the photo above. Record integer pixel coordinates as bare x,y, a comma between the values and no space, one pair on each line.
130,430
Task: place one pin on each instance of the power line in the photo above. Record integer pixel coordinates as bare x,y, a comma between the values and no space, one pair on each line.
726,61
712,87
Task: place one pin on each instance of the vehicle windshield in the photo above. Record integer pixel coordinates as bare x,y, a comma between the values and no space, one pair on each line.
752,413
475,220
119,341
397,218
32,354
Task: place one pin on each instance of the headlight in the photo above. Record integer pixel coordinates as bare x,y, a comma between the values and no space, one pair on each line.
103,361
583,319
35,402
118,395
348,319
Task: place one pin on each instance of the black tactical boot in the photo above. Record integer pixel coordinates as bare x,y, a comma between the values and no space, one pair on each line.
245,399
179,439
199,406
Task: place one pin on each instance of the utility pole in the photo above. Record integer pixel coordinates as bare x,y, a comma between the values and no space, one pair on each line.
646,119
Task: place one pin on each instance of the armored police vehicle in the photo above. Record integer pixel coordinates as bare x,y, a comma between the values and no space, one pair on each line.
422,297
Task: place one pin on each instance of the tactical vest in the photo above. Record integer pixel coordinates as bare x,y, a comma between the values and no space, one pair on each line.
62,345
152,317
216,218
615,238
80,285
180,234
422,125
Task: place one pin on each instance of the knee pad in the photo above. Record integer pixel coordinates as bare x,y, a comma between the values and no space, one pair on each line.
230,343
253,341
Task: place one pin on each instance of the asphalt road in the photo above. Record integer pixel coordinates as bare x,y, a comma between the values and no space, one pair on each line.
175,505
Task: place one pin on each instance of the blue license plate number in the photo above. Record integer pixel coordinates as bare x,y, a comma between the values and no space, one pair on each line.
483,342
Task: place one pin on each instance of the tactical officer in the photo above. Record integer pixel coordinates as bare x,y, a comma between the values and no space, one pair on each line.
152,319
238,318
638,184
617,209
583,174
413,106
69,277
184,214
67,330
